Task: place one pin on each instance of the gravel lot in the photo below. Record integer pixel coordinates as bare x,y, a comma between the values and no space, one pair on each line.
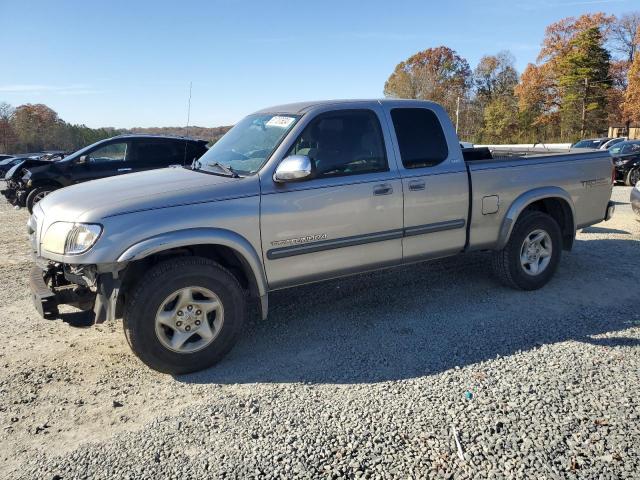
364,377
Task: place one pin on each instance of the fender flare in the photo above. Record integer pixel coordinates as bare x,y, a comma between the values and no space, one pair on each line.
201,236
523,201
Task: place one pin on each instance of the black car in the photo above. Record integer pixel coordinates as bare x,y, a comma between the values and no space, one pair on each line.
5,157
626,158
31,180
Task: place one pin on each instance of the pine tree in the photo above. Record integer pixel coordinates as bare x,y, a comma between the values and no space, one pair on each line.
583,80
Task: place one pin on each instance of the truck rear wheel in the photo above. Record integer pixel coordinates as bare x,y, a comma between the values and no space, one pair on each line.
184,315
532,254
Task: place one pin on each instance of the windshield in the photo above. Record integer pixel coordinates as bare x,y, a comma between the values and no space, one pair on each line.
625,147
248,145
587,144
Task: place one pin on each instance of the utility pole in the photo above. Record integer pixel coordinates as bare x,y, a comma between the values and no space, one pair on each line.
189,108
457,112
584,107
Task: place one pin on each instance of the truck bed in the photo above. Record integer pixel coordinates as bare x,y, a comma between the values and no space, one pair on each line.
501,179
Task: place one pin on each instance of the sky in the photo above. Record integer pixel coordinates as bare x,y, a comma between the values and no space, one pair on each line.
129,63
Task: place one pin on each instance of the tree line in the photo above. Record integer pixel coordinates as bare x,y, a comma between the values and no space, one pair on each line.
586,78
36,127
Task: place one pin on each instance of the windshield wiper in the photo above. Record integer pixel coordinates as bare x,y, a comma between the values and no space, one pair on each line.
227,170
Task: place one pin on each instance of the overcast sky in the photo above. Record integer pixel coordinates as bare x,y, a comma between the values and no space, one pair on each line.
129,63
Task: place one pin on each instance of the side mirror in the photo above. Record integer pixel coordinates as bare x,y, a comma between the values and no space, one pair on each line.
293,169
82,159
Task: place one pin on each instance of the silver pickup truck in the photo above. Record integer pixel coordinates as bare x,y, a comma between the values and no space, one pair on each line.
296,194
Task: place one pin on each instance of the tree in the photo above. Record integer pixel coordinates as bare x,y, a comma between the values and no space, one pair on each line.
495,76
537,106
437,74
501,120
583,81
624,33
495,79
34,125
618,73
7,135
559,35
631,105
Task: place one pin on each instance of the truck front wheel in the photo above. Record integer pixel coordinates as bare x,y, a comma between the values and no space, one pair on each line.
532,254
184,315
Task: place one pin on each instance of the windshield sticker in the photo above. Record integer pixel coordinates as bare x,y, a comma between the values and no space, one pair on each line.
280,122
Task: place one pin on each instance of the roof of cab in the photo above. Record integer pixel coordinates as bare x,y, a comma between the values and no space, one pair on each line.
300,108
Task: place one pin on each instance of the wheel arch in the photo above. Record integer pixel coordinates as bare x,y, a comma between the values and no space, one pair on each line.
554,201
228,248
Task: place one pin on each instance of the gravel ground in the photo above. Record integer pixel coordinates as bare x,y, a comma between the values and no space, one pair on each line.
363,377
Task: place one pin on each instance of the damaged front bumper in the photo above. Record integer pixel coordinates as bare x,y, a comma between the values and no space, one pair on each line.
15,195
82,287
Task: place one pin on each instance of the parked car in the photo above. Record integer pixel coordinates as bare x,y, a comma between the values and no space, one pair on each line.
30,181
4,157
635,200
7,163
612,142
295,194
626,159
591,143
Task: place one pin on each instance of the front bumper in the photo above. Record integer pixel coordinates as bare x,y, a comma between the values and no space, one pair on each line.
44,300
14,196
53,285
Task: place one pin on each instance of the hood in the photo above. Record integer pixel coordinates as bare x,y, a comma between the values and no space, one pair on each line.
13,173
168,187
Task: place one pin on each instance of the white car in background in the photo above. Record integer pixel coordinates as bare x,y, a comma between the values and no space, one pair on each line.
612,142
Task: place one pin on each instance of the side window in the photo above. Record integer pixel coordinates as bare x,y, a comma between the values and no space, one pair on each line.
420,137
345,142
114,152
160,152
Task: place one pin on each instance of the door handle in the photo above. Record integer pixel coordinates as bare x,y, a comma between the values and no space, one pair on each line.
124,169
384,189
416,186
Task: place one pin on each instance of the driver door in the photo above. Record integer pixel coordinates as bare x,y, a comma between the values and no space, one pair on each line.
346,218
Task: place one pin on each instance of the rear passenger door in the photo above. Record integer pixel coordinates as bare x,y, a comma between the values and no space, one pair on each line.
345,219
150,153
434,181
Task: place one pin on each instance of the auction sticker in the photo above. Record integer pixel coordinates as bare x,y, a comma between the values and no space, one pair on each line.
280,121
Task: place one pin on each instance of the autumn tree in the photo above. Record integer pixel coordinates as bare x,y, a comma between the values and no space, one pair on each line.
624,33
7,135
631,105
537,107
494,80
34,125
437,74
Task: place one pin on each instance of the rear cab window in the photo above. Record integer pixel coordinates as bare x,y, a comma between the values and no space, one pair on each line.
420,136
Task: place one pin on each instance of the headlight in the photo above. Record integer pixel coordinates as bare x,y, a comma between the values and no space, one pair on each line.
70,238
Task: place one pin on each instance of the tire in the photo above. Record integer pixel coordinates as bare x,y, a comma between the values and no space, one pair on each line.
508,264
36,195
632,177
146,309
